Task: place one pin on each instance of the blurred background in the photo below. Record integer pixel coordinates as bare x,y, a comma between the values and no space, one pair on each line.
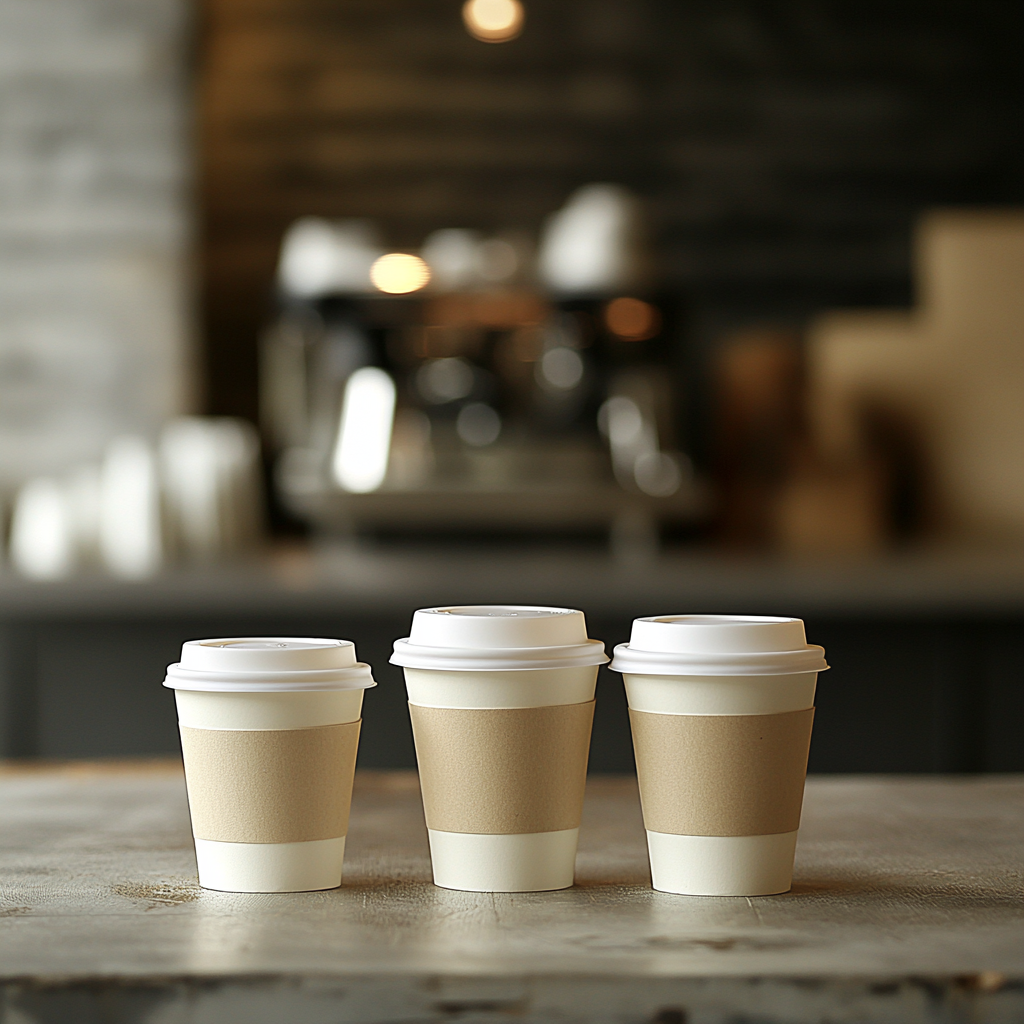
313,312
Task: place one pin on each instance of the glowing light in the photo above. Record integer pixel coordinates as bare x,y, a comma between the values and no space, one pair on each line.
478,424
657,474
399,273
621,421
561,369
444,380
632,319
630,436
591,246
451,254
321,257
364,436
493,21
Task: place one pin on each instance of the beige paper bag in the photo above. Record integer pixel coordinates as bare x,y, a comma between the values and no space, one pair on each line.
270,785
721,775
507,771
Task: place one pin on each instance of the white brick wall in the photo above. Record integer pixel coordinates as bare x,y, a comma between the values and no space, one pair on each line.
93,225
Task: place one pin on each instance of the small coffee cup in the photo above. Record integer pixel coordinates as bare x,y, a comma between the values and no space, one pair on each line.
502,702
721,709
269,733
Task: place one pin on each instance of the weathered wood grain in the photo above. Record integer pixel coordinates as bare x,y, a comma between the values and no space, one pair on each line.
906,906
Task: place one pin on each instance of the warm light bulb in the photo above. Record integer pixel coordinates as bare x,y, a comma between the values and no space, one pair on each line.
399,273
493,21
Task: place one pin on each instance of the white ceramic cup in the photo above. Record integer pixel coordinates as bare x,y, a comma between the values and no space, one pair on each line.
258,716
464,668
719,666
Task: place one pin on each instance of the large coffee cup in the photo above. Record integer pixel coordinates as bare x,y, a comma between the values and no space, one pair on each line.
269,731
721,708
502,703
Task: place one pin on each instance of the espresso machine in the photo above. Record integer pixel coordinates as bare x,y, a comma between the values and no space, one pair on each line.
477,387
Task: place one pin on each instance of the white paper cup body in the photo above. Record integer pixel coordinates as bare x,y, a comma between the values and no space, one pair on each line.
720,695
534,862
298,709
500,657
733,865
721,865
479,862
266,867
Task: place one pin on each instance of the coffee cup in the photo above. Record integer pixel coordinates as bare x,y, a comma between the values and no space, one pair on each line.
721,709
269,732
502,702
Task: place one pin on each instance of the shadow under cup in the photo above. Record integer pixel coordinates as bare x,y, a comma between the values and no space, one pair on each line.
721,710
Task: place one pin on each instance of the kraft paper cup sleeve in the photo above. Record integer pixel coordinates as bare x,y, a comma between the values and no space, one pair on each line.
721,775
503,771
270,785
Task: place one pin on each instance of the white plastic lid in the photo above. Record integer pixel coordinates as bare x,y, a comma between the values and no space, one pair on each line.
498,637
268,663
718,645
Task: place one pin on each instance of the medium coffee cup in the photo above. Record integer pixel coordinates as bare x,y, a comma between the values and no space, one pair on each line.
721,708
502,702
269,732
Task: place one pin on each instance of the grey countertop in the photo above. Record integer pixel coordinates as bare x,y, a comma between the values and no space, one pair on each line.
389,579
906,906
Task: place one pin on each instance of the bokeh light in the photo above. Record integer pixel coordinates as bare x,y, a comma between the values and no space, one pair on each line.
493,21
478,425
560,369
399,273
632,319
444,380
360,461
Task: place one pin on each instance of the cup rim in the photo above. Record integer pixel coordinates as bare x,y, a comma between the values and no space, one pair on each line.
354,677
635,661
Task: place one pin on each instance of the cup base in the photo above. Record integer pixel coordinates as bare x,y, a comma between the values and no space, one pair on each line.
270,867
722,865
536,862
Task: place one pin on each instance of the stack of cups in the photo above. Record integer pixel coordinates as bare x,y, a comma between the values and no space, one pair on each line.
269,732
721,708
502,703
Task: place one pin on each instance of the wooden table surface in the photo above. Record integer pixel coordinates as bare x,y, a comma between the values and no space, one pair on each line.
907,906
